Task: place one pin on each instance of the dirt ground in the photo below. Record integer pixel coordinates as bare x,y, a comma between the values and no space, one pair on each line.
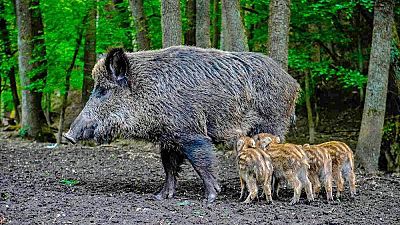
116,183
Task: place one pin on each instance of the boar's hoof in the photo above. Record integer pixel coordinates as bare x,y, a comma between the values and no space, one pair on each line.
165,193
211,198
294,201
162,195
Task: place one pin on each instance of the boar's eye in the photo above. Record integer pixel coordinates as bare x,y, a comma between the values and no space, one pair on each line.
99,92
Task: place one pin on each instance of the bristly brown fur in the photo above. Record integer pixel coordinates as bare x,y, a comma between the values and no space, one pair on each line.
290,163
255,166
342,165
320,169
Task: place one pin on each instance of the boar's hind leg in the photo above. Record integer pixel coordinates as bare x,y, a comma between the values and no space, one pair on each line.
172,159
198,150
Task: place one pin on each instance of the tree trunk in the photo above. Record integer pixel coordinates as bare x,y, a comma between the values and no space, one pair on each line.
47,108
30,46
140,20
371,131
89,55
8,52
190,34
171,23
203,23
311,127
14,92
67,81
215,24
233,32
278,31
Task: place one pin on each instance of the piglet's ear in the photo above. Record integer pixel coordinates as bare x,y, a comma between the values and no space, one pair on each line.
264,143
117,65
252,143
239,145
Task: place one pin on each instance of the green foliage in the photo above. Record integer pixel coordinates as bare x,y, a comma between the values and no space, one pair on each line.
69,182
23,132
347,77
152,10
110,30
62,20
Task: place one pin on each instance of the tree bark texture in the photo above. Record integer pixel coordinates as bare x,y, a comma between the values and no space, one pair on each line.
233,36
11,72
371,131
215,23
140,19
203,23
30,45
278,31
89,54
190,34
171,23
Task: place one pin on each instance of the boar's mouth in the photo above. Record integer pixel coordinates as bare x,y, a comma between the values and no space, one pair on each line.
69,138
87,134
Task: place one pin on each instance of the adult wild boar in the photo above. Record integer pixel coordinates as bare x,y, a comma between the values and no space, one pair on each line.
186,99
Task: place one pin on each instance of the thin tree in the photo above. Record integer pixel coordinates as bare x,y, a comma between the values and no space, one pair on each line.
31,49
67,80
89,54
371,131
9,54
278,31
215,24
203,23
140,19
171,23
310,118
233,36
190,34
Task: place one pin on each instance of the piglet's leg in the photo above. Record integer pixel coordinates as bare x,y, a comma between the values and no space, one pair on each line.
242,189
198,149
171,158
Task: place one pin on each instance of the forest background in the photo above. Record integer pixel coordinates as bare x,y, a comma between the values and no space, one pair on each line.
327,45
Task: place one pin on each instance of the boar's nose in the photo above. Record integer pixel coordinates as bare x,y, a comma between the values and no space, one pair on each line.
81,129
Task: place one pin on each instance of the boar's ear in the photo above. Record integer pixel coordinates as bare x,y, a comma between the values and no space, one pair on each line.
117,65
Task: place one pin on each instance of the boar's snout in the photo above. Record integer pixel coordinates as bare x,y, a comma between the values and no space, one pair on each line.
81,129
69,137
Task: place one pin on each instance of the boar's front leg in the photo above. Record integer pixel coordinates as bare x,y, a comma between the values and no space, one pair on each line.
172,159
198,149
